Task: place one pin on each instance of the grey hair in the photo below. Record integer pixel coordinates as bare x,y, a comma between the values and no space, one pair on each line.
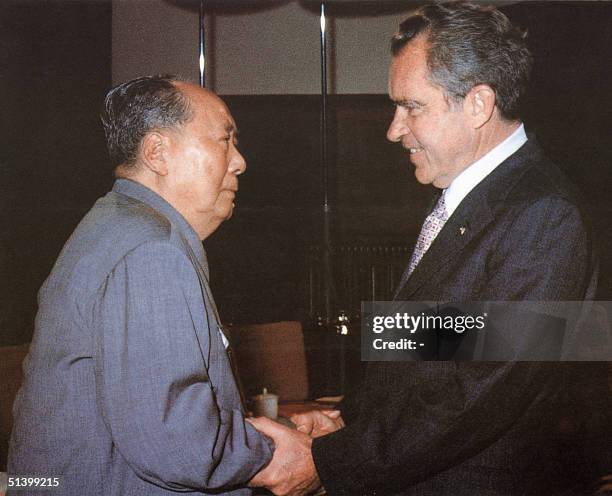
470,45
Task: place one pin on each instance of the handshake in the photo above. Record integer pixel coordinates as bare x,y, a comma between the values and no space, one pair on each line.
292,470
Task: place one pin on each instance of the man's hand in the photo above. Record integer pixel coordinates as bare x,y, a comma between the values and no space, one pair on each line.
292,470
318,423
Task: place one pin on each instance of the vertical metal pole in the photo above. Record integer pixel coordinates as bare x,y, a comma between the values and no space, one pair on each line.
329,289
202,45
330,367
325,167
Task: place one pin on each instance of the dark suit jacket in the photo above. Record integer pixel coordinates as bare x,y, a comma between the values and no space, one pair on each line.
128,388
487,428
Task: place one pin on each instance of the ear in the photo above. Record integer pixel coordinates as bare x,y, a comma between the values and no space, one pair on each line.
480,103
154,151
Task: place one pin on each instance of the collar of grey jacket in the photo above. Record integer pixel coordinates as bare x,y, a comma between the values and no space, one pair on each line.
149,197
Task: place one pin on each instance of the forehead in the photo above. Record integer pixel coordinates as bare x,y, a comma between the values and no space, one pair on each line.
208,108
408,72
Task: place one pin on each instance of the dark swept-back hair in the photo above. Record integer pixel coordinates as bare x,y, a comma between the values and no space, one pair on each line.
133,109
471,45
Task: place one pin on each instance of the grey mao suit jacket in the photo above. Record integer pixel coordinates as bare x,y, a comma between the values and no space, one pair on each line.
128,389
482,428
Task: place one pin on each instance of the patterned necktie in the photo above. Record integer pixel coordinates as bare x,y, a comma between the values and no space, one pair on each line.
431,227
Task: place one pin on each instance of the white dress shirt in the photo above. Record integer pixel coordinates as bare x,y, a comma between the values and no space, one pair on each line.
470,177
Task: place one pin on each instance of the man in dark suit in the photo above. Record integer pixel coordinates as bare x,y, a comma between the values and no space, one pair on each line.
128,388
506,226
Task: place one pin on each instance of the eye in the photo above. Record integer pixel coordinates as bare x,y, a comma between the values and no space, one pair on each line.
414,109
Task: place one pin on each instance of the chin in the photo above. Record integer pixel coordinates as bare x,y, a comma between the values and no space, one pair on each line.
224,211
442,182
423,178
229,212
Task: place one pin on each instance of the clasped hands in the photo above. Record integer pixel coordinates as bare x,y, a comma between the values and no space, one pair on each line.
292,470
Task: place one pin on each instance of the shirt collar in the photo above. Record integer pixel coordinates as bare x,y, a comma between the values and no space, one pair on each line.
473,174
147,196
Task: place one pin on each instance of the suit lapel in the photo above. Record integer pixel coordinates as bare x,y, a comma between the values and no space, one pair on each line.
463,226
423,216
215,345
223,358
477,210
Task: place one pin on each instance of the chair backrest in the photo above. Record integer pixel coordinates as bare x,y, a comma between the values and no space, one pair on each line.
271,356
11,376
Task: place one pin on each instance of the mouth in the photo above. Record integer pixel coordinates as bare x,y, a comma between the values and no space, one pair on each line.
412,148
232,193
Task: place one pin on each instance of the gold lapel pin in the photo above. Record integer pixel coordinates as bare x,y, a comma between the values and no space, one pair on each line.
462,230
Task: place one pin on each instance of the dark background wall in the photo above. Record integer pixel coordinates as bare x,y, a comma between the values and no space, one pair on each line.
56,70
570,103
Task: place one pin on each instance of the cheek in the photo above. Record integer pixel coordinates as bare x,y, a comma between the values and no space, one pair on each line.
446,135
425,129
216,169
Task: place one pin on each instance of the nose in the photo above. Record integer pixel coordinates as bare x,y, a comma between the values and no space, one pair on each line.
237,163
398,127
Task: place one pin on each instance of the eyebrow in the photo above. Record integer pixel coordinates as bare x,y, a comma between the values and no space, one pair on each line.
408,102
229,128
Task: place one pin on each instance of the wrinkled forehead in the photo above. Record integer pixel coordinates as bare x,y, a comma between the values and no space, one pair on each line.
409,68
412,58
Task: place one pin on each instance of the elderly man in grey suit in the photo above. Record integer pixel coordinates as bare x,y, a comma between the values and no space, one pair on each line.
128,388
507,226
